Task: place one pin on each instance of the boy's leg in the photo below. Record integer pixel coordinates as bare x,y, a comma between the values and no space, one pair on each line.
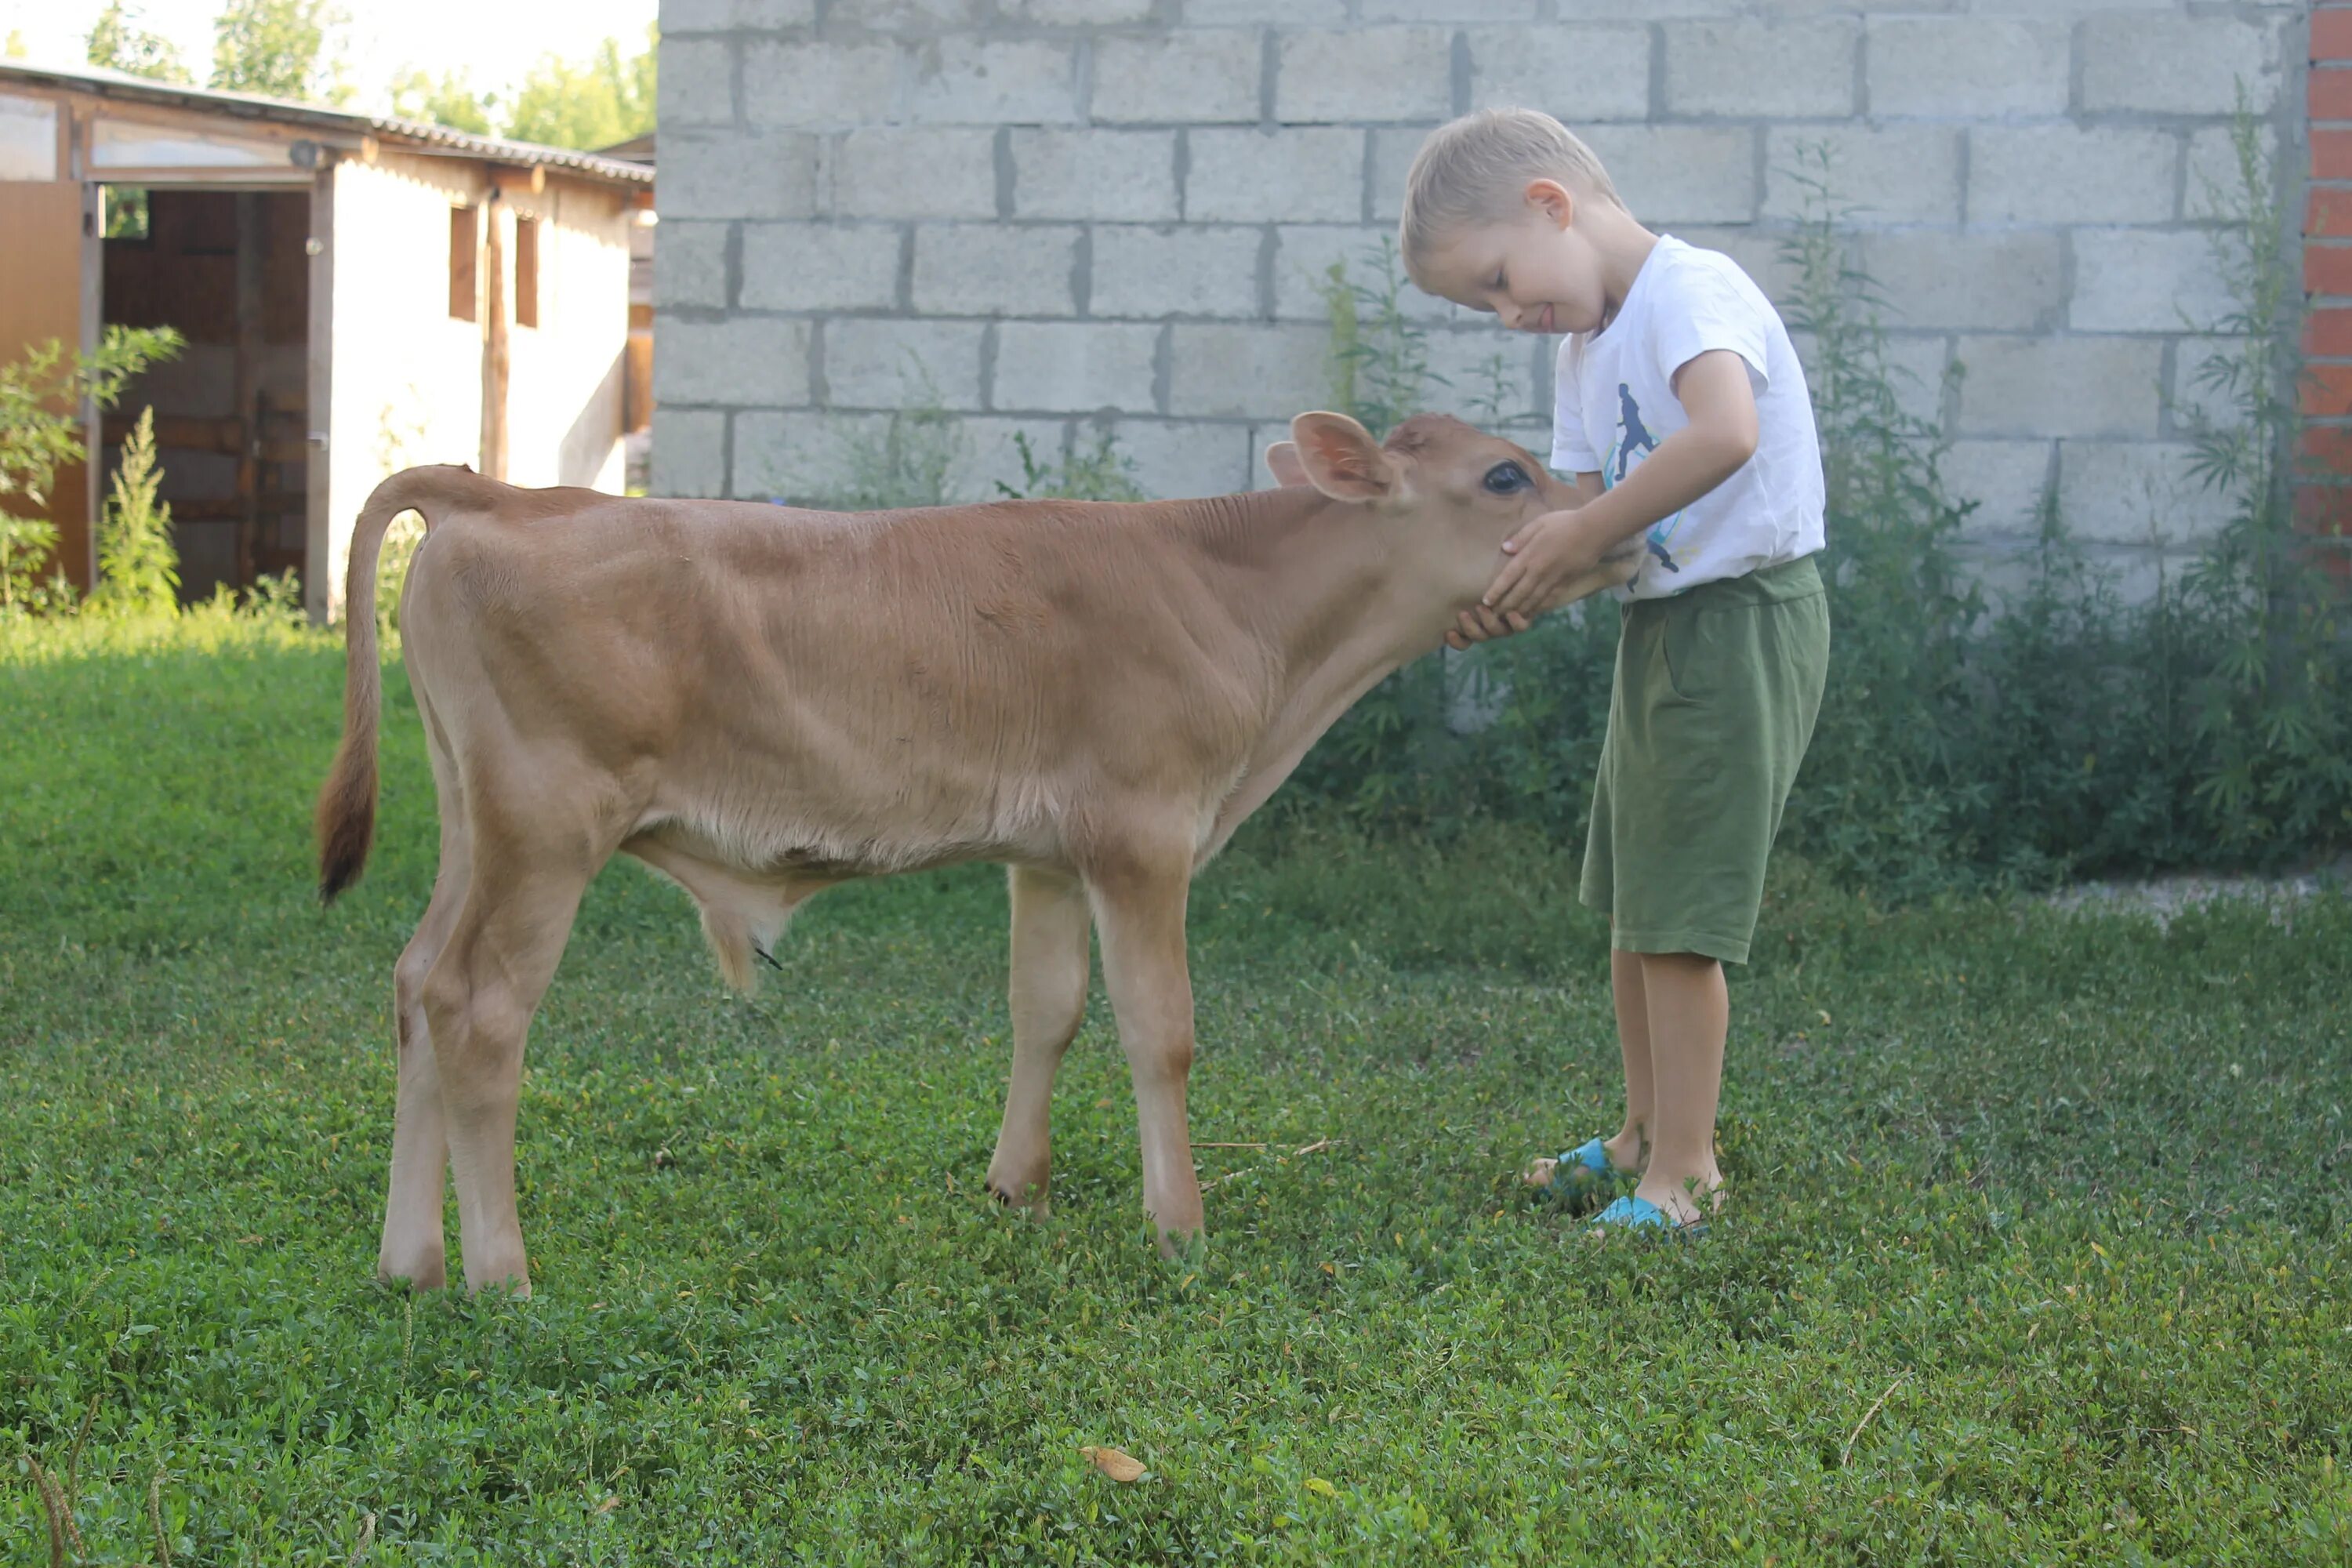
1625,988
1689,1015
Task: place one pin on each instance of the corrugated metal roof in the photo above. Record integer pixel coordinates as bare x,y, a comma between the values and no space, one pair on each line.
127,89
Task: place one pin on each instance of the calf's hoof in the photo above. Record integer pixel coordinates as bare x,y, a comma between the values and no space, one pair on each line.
418,1270
1029,1199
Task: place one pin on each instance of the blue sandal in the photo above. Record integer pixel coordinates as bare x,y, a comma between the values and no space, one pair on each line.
1629,1213
1582,1170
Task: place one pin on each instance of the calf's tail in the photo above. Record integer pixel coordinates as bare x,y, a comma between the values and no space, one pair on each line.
347,800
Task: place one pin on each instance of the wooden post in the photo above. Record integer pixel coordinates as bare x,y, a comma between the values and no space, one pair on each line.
495,358
249,247
321,587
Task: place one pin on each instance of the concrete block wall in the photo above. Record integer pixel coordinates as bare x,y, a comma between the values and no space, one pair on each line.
1083,213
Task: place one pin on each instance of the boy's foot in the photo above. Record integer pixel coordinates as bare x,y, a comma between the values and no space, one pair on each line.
1637,1214
1583,1169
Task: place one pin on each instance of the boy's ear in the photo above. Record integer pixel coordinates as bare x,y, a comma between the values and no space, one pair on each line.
1554,200
1282,462
1340,459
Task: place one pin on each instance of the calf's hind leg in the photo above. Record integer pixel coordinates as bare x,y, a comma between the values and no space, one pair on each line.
1048,993
412,1246
479,1000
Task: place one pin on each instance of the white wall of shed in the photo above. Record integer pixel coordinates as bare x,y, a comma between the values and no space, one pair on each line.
564,388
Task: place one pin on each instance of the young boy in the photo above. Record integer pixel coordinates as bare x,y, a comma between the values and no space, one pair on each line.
1683,414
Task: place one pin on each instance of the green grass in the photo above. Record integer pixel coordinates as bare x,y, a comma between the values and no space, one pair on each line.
2037,1251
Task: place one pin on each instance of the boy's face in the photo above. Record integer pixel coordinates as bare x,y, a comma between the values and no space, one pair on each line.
1532,269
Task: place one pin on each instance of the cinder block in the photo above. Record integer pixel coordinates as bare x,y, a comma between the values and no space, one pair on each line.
1302,260
1384,74
987,269
755,362
689,452
734,16
2216,187
1974,67
1248,372
972,81
1998,282
2177,64
1488,376
2007,480
2134,493
1183,78
1177,459
1681,173
1192,270
696,83
1075,12
817,266
1795,70
2066,174
2059,387
1449,10
1075,367
878,362
815,85
1881,173
731,173
916,18
2146,280
2198,401
1392,152
1291,175
2069,7
1650,10
1261,436
987,454
910,173
804,455
690,266
1122,175
1290,13
1579,75
1917,363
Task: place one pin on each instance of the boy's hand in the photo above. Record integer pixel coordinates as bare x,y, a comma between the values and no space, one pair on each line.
1546,555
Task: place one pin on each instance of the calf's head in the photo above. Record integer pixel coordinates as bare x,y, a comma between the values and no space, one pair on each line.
1444,495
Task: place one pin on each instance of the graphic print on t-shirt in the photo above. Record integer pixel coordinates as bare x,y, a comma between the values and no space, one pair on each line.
1634,437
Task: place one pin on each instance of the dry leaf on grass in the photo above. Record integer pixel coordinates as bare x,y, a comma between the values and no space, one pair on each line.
1118,1466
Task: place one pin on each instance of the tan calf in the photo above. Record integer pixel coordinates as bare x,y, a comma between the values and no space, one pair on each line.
763,703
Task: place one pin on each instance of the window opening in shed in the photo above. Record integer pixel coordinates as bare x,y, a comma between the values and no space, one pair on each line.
526,313
464,245
126,212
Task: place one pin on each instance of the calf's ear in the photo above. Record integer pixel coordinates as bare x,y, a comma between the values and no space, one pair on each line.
1282,462
1339,458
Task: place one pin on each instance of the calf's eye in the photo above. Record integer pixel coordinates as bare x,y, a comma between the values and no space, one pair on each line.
1505,478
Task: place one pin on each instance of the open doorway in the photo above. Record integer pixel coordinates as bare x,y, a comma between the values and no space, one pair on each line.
230,270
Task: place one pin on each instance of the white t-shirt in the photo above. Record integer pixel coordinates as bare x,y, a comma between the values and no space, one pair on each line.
1615,402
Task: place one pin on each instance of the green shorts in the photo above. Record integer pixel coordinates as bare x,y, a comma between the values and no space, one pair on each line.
1713,704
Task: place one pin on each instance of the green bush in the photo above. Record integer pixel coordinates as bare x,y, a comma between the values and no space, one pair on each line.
41,398
1965,742
139,569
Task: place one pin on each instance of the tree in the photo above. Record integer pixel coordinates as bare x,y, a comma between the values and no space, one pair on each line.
118,43
606,98
281,49
448,99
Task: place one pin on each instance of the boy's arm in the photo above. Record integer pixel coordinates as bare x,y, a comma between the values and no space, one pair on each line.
1561,546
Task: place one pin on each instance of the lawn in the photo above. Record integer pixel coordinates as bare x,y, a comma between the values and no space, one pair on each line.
2036,1251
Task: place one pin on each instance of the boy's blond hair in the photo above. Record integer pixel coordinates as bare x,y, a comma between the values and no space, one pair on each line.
1472,170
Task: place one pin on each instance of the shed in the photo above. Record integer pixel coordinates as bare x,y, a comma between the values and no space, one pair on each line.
358,294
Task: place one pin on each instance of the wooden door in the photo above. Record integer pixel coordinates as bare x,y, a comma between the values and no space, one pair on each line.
40,298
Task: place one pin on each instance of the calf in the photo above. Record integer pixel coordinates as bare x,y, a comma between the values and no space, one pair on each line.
761,704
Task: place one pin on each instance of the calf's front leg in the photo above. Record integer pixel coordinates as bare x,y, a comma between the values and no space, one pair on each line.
1140,910
1048,994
